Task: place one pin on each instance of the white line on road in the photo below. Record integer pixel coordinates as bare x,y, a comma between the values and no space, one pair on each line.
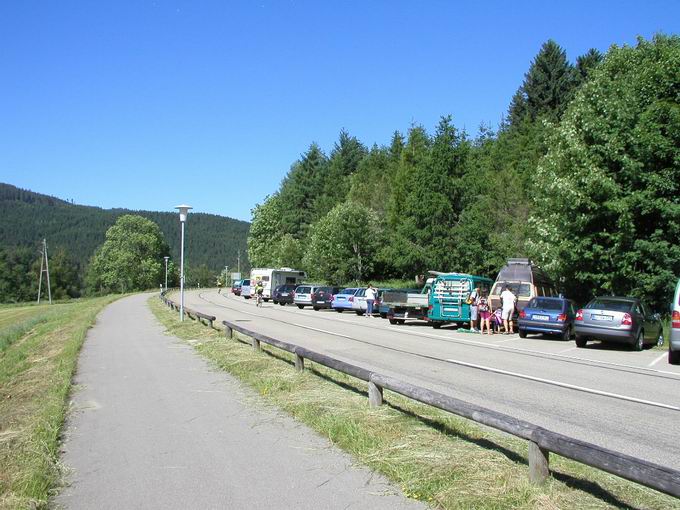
657,360
567,350
565,385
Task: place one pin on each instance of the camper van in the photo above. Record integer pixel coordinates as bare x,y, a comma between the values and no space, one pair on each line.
272,278
525,280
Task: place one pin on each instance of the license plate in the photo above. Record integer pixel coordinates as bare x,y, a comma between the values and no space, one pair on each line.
601,317
284,294
320,301
540,317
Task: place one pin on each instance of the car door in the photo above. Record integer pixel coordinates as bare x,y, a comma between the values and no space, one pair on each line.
644,322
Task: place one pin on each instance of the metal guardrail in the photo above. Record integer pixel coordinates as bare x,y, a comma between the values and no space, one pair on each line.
541,441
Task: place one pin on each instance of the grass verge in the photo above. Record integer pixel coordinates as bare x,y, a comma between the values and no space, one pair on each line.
39,346
446,461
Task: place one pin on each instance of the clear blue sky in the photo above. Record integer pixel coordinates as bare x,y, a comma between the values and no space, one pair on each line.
145,105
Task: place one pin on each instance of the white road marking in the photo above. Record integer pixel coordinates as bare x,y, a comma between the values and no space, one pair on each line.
567,350
530,351
565,385
657,360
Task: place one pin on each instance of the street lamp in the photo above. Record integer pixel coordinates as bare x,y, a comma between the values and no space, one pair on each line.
183,212
166,272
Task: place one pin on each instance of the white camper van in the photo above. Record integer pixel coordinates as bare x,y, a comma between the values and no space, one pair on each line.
272,278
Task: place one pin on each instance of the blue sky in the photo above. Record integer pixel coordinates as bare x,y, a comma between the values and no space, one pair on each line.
146,105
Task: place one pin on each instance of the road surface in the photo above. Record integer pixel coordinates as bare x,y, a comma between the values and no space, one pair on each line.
154,427
623,400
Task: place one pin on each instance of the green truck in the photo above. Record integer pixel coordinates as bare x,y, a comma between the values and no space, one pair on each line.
447,300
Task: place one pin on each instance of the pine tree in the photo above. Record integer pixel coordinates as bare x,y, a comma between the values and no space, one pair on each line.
585,64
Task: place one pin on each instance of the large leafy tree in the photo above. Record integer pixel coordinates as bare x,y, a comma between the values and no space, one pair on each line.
607,213
265,232
343,244
131,258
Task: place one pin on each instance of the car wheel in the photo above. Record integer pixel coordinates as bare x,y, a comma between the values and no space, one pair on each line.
300,306
383,316
400,321
275,302
358,312
581,341
393,321
436,325
339,310
282,303
639,341
566,335
673,357
659,341
522,333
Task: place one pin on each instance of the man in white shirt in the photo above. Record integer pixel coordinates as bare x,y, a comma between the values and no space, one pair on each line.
370,299
508,299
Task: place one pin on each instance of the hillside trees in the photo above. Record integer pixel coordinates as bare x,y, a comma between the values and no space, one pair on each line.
607,214
131,258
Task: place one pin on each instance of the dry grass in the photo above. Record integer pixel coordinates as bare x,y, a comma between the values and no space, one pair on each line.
434,456
36,365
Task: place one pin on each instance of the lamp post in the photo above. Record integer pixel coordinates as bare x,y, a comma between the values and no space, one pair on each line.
166,272
183,212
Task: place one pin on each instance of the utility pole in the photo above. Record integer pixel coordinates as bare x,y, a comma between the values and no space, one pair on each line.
239,261
226,276
44,268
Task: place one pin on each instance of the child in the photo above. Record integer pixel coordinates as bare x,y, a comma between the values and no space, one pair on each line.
497,319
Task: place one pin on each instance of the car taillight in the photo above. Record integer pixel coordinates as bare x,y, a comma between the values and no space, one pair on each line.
351,299
579,315
562,317
429,308
627,320
522,315
675,324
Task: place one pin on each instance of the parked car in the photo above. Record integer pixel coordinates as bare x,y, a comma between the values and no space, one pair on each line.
283,294
618,319
344,299
674,343
553,316
323,297
303,295
245,289
359,304
236,288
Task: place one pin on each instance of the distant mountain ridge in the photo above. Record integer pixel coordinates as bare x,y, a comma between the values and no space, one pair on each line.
27,217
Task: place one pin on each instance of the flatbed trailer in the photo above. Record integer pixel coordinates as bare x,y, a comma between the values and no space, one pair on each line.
403,305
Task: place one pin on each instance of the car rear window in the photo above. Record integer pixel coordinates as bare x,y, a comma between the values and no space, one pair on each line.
546,304
611,304
517,288
348,291
303,290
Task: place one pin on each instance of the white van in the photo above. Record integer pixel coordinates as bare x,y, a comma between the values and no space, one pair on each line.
272,278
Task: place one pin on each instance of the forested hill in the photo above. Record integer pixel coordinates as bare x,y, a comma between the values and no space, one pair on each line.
27,217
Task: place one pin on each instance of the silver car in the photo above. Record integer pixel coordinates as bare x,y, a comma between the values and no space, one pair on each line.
303,295
618,319
674,344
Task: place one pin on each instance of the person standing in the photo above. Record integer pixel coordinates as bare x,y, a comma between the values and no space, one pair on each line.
473,301
484,314
370,299
509,300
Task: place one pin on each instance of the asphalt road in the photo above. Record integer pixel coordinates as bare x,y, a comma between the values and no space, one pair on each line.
154,427
620,399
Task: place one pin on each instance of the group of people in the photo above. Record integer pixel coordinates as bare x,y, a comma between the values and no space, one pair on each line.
499,320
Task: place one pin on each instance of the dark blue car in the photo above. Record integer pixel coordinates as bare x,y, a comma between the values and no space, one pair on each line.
548,315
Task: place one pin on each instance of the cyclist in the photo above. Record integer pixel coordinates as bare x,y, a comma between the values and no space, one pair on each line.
259,290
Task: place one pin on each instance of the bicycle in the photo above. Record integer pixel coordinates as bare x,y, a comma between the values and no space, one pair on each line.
258,300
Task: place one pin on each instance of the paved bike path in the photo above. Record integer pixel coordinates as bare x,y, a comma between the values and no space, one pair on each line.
154,426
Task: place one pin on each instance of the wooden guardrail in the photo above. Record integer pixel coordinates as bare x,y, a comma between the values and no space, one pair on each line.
541,441
192,314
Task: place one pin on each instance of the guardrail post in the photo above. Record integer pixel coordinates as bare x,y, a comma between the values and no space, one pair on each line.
299,362
539,460
228,332
256,345
211,324
375,394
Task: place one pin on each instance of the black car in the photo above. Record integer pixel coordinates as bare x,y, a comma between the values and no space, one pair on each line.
323,297
283,294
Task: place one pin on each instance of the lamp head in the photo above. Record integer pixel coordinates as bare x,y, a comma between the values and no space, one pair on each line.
183,211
